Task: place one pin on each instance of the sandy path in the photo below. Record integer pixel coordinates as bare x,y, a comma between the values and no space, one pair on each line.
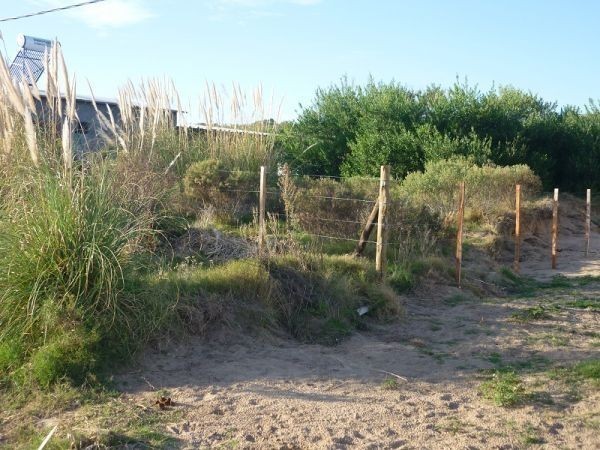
572,261
267,393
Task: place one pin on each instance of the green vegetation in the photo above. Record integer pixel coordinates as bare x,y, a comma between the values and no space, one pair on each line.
390,384
490,188
588,369
352,130
67,244
505,388
538,312
154,237
530,436
585,303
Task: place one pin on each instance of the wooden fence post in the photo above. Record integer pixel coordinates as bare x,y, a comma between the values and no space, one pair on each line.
554,227
459,233
382,229
588,219
518,228
262,201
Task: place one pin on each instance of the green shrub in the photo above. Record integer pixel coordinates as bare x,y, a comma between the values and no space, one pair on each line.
233,193
504,389
489,190
340,209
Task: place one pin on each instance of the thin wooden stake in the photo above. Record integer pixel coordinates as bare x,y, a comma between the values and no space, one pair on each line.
261,211
382,229
588,220
459,233
518,228
554,227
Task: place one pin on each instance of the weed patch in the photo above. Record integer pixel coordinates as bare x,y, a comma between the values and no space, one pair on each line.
592,304
504,389
538,312
390,384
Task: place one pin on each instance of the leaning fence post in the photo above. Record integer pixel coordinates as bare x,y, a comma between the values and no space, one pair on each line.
517,228
588,219
382,229
459,233
554,227
261,211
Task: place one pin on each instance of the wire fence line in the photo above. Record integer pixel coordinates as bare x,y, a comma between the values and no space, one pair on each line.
324,219
335,215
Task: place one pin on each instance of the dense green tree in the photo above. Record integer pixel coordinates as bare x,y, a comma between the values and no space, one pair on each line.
352,130
319,140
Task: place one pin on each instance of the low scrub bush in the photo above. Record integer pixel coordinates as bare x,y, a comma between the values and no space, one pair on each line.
505,388
329,207
489,190
231,192
340,209
317,298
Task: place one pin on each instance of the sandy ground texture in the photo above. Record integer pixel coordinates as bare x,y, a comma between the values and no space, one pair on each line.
411,384
536,247
268,393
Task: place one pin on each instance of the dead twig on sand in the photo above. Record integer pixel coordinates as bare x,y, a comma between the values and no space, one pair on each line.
391,373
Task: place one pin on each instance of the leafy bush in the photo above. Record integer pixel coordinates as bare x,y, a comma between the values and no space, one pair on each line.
232,192
353,129
489,190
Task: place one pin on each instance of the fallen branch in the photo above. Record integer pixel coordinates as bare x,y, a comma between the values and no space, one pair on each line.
391,373
45,441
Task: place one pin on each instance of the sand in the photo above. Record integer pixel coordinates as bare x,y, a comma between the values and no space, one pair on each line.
414,383
277,393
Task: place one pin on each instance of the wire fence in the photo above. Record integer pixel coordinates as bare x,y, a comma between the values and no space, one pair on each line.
334,208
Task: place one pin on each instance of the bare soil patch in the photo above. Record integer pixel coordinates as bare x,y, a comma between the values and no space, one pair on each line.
413,384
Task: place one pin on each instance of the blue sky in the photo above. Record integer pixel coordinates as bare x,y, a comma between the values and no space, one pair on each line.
293,46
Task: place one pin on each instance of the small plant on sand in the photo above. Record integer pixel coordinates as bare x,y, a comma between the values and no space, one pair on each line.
505,388
390,384
530,436
585,303
538,312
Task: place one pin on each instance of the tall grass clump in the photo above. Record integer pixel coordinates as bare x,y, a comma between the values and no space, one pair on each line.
153,125
241,136
71,236
78,229
154,135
